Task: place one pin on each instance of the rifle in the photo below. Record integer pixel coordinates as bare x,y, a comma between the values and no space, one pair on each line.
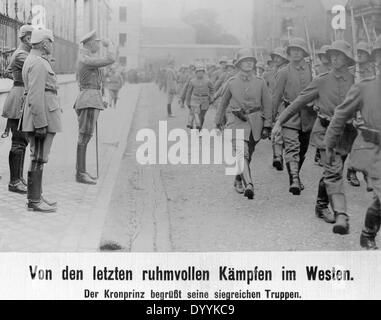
366,29
313,71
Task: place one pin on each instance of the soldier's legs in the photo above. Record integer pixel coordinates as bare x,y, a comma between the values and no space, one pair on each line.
197,116
87,119
333,180
277,144
40,149
16,158
292,158
169,104
202,116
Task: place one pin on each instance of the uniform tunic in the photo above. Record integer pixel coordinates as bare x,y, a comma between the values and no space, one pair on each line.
13,104
199,94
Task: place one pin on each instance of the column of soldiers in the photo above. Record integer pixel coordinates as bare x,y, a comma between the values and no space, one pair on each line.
34,115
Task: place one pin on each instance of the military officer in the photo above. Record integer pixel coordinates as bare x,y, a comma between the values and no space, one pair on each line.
364,97
41,118
279,58
13,110
199,95
89,102
171,81
329,90
366,70
290,81
246,102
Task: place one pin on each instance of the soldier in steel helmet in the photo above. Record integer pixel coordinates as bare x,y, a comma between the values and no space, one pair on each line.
279,58
291,80
89,102
325,63
328,90
12,111
246,103
365,98
198,97
41,118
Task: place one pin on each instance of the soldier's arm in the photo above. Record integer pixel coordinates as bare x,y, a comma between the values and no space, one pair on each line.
36,94
280,85
267,105
219,83
223,106
211,89
189,93
308,95
343,112
97,62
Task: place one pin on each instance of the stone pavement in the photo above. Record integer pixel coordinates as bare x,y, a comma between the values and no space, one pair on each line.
78,223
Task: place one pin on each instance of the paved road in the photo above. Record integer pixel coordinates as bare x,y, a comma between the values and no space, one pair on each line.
194,208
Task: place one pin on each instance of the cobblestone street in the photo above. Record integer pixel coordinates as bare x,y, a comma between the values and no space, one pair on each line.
195,208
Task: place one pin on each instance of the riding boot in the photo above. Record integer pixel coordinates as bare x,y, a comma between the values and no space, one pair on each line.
15,184
82,176
169,110
322,204
247,181
371,226
238,185
293,172
339,207
277,157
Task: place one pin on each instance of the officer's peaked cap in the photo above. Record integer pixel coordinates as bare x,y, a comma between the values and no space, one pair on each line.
24,30
92,35
39,35
298,43
343,47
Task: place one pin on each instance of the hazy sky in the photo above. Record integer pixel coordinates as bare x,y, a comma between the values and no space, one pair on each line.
230,12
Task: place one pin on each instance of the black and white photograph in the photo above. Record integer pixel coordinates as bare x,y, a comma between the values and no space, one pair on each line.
191,127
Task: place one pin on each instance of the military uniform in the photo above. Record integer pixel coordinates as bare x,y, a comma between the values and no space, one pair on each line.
13,110
41,112
199,95
291,80
89,102
171,85
246,102
364,97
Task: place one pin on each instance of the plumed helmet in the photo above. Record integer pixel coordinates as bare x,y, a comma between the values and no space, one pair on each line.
245,53
343,47
298,43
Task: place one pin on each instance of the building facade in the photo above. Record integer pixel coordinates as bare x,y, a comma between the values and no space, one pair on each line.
125,30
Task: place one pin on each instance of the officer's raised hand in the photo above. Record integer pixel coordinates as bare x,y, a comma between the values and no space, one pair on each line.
41,133
277,129
330,155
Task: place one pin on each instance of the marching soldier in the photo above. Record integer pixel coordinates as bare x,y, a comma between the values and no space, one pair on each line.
364,97
329,90
13,111
41,118
367,70
199,95
291,80
171,81
224,78
279,58
222,67
246,102
89,102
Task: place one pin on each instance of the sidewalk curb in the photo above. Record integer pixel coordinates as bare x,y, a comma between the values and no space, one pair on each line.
88,236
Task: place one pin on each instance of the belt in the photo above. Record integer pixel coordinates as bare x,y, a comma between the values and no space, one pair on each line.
253,110
90,88
18,84
51,90
201,95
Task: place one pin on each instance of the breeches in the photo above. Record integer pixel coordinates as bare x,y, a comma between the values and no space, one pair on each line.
295,143
40,148
87,120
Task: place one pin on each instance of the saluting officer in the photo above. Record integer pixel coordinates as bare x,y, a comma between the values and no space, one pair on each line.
89,102
364,97
291,80
329,90
246,102
13,111
280,60
41,118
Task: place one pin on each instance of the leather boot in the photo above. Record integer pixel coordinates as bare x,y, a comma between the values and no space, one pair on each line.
169,110
368,243
369,187
247,181
82,176
293,172
15,184
339,206
352,178
238,185
322,204
277,157
35,202
371,226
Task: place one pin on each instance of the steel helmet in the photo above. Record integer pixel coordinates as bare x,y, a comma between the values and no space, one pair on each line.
200,67
376,47
323,50
279,52
24,30
223,59
230,63
245,53
363,46
298,43
343,47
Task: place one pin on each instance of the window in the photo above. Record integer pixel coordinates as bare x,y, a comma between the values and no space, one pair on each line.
123,14
122,39
123,61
